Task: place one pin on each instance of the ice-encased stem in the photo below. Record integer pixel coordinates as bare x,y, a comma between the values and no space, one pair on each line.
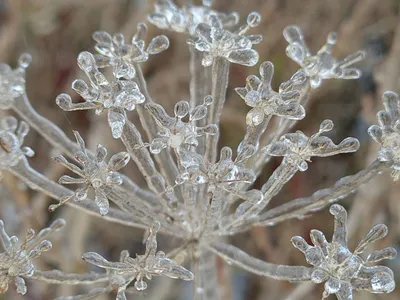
205,277
37,181
58,277
241,259
198,88
164,159
318,200
253,134
58,139
220,77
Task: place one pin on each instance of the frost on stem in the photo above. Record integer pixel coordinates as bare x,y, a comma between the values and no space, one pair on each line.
128,269
321,65
12,137
121,56
115,96
169,16
95,173
298,149
176,133
16,260
236,47
387,133
264,101
12,82
342,270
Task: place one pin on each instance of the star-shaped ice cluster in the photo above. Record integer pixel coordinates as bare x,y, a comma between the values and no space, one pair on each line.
121,56
264,101
343,270
128,269
16,260
387,133
12,137
167,15
12,81
321,65
297,148
236,47
115,96
175,132
95,173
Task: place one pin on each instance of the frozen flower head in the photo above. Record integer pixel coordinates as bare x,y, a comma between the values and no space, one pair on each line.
128,269
321,65
387,133
236,47
16,260
264,101
115,96
297,148
121,56
12,82
95,173
343,270
12,137
175,132
169,16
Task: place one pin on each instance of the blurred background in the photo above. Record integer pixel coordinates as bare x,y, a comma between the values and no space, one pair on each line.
55,31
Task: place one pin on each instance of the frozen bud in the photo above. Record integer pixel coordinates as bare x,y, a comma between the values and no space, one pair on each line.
253,19
158,45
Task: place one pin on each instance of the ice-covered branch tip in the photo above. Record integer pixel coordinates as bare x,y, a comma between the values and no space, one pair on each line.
16,260
297,148
264,101
128,269
321,65
95,173
236,47
12,82
121,56
167,15
387,133
342,270
114,96
176,133
12,137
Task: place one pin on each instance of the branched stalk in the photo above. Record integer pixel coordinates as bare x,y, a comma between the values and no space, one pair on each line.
164,159
58,277
220,77
58,139
342,188
241,259
39,182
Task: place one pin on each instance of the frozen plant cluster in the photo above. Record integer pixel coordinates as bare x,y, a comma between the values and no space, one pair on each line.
192,194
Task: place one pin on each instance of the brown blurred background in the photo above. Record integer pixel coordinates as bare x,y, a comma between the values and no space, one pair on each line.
55,31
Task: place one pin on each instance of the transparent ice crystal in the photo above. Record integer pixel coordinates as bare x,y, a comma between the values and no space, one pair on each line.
167,15
236,47
95,173
321,65
12,82
343,270
297,148
225,174
16,260
264,101
128,269
176,133
114,96
12,137
121,56
387,133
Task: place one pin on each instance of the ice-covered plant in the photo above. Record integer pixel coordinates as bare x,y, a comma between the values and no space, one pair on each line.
193,195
